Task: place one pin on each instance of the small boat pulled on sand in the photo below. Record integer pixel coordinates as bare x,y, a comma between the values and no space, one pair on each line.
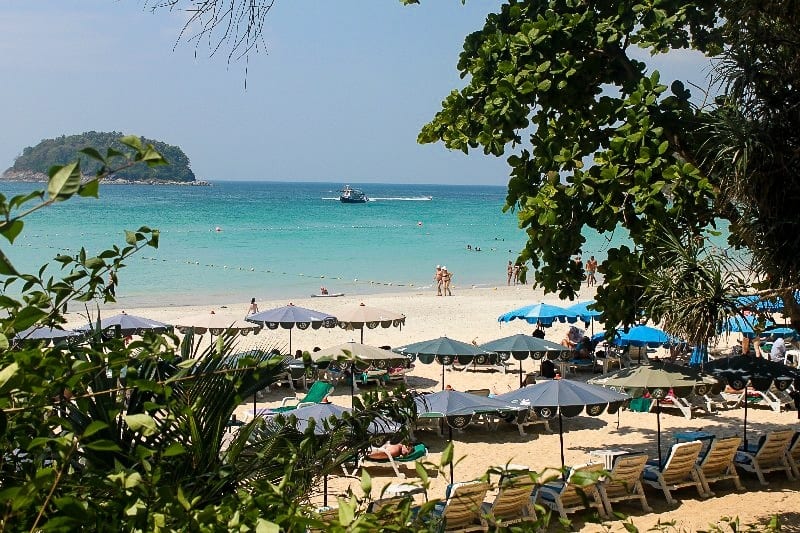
349,195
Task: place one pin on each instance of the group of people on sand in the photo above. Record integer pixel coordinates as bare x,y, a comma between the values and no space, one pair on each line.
444,280
589,269
513,271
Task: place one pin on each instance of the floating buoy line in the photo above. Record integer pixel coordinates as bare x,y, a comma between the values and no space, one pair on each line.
251,269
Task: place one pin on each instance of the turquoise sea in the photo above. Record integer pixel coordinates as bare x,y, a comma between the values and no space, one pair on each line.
282,240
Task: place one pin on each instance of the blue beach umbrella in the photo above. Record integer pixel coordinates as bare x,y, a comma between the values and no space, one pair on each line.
544,314
581,309
786,333
128,324
746,325
641,336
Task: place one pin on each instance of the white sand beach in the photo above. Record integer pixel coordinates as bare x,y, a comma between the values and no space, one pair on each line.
471,314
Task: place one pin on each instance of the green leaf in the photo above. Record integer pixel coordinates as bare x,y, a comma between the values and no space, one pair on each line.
4,344
130,237
133,141
143,423
173,449
346,513
6,268
265,526
544,85
94,427
27,317
7,373
94,154
102,445
12,229
90,189
447,455
64,181
366,481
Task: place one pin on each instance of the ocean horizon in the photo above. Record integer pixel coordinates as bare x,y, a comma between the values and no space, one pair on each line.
269,240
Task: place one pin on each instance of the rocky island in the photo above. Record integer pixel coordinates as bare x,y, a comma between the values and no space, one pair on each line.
33,163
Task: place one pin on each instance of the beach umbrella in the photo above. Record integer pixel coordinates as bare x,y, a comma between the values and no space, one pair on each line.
458,408
786,333
363,316
565,397
321,412
521,347
353,352
586,315
215,324
128,324
544,314
641,336
656,380
442,350
292,316
760,374
746,325
39,332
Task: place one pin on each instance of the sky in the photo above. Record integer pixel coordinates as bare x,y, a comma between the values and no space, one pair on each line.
339,94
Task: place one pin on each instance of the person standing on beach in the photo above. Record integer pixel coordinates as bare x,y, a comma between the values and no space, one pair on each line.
591,268
510,272
516,273
437,278
447,278
112,283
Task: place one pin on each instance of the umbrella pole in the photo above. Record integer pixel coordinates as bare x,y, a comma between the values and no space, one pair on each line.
442,376
744,439
520,373
325,490
362,334
352,382
290,343
658,426
450,437
561,441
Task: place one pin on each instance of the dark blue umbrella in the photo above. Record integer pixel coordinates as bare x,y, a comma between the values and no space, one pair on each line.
291,316
39,332
444,351
759,373
458,407
128,324
544,314
760,304
565,397
521,347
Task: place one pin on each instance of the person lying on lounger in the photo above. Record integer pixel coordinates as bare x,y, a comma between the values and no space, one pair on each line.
395,450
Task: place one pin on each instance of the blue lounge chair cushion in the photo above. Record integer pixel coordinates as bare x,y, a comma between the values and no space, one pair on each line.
743,458
651,472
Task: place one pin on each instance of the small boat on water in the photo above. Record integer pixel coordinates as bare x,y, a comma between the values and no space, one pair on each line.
350,195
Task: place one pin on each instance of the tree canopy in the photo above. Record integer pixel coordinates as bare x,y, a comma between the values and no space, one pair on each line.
61,150
598,140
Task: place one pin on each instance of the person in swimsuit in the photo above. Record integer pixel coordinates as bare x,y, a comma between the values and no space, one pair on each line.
510,271
253,307
447,278
591,268
437,278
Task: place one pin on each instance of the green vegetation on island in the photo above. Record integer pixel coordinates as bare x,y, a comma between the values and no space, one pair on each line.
35,161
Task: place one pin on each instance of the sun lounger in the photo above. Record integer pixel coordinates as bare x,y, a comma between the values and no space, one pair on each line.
419,451
512,504
482,362
528,417
672,401
768,455
577,493
679,470
624,482
793,454
318,392
717,464
461,511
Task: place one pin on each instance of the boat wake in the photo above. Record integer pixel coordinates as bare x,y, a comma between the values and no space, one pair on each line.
389,199
402,199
